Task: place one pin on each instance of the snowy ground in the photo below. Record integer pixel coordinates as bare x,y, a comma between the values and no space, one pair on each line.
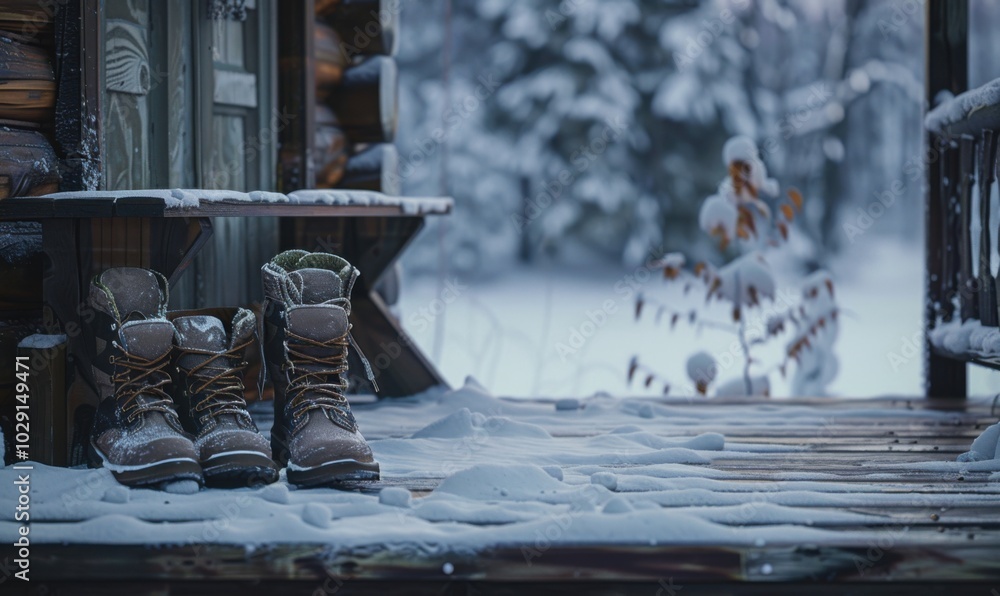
503,472
512,332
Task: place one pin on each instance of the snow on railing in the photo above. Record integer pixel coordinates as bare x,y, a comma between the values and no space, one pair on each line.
962,155
967,113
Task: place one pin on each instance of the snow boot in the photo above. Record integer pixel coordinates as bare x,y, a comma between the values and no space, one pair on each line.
306,339
211,356
136,432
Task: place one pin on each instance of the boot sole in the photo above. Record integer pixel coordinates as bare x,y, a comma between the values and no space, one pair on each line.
239,469
334,472
156,473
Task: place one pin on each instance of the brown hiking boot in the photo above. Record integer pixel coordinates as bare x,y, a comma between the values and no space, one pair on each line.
306,339
136,433
211,358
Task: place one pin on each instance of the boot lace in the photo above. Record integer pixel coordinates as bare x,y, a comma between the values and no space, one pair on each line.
139,384
311,372
220,379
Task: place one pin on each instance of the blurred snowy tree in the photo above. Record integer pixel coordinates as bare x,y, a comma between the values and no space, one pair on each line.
586,123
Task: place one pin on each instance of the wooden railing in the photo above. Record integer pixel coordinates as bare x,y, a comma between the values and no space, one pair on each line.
960,160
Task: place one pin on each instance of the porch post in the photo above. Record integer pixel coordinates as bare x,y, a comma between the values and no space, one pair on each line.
946,63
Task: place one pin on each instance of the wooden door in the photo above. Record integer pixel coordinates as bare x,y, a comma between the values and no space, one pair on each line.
235,126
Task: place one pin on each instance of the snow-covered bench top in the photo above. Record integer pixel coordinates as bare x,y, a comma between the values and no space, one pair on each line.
209,203
967,113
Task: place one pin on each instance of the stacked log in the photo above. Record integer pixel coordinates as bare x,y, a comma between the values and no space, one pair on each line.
28,164
356,83
28,167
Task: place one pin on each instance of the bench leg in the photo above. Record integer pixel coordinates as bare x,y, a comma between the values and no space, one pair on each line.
372,244
77,249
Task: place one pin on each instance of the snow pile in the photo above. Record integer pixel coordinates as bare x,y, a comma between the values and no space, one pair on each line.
759,385
41,341
985,447
718,217
962,106
744,281
968,338
742,150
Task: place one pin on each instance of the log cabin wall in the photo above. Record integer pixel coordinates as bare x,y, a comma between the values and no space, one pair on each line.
29,166
133,94
356,84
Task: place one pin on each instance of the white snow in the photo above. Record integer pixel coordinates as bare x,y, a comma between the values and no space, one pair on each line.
718,216
985,447
962,106
702,368
178,198
41,341
968,338
759,385
739,148
644,477
746,280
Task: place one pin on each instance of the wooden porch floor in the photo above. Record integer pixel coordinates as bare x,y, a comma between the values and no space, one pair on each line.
938,521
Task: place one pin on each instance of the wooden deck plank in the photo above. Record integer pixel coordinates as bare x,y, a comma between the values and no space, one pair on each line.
933,522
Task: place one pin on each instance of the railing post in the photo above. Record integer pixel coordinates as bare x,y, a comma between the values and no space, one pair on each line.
946,61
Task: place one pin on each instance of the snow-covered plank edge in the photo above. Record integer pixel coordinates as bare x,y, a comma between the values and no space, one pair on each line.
409,205
967,113
193,198
966,340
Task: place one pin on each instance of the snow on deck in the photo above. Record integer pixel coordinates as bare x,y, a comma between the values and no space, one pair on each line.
464,472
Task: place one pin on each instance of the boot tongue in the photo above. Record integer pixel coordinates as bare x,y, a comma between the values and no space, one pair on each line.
136,292
318,322
147,339
200,332
317,285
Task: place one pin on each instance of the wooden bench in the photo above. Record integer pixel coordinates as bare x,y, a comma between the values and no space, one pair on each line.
84,233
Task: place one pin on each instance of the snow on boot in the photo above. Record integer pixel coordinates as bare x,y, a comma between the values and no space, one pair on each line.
136,432
211,358
306,339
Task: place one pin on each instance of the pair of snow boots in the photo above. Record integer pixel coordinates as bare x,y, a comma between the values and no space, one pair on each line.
173,407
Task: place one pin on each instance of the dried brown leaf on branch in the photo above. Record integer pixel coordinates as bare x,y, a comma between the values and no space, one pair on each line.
787,211
796,197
